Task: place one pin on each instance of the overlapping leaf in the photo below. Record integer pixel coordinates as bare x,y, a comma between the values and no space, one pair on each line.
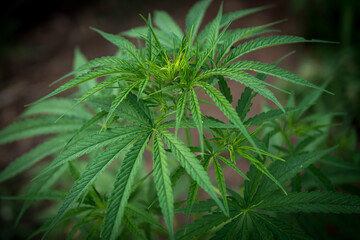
122,189
189,162
89,176
38,126
163,183
93,142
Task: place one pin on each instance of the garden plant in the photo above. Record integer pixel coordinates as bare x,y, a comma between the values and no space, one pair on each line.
127,137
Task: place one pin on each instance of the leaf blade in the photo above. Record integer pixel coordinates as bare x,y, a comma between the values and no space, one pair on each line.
189,162
163,184
122,189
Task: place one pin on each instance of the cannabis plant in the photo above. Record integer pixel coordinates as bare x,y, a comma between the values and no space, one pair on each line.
147,99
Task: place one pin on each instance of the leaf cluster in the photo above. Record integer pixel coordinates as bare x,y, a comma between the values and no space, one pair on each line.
145,95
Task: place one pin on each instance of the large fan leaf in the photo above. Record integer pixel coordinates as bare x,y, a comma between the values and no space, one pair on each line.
41,184
256,85
57,106
165,22
123,44
272,114
93,142
271,70
265,42
90,174
38,126
79,60
321,202
195,16
213,31
33,156
163,183
283,171
189,123
141,32
201,226
98,72
236,35
122,188
107,82
278,228
232,16
193,191
107,61
46,195
229,230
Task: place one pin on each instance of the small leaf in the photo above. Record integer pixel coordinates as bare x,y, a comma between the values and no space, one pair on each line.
244,103
233,166
99,86
191,164
227,109
263,169
122,95
180,106
224,89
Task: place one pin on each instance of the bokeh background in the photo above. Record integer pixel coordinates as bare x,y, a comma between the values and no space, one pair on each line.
38,38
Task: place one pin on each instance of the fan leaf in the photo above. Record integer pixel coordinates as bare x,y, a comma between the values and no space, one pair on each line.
122,189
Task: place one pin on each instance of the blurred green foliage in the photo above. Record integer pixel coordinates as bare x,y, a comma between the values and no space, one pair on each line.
338,63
